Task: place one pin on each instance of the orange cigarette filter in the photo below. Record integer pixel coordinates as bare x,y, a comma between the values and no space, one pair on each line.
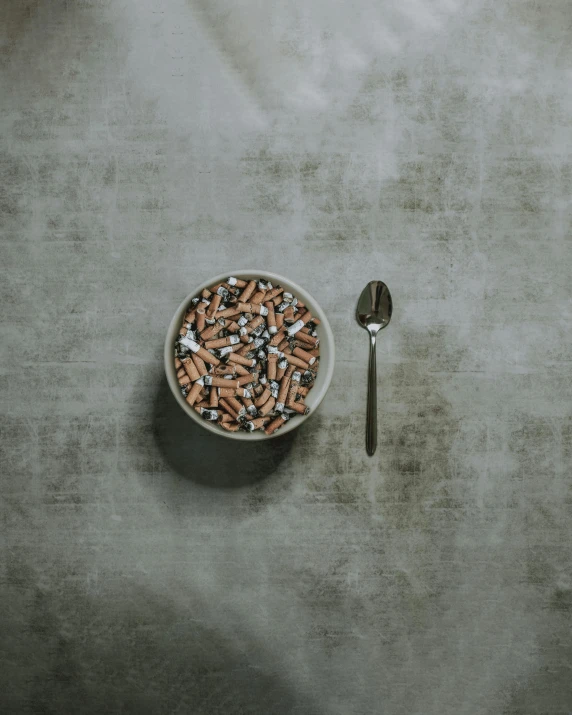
205,293
303,390
224,370
191,369
299,407
222,402
199,364
244,349
275,424
201,317
271,367
283,391
194,392
248,378
267,407
226,391
279,337
303,355
190,316
298,362
222,382
288,314
280,372
230,426
240,370
225,417
307,339
271,317
184,380
233,357
247,292
258,297
222,342
232,327
213,307
274,293
290,370
254,323
284,346
279,320
213,397
180,372
177,363
258,423
235,404
251,308
263,397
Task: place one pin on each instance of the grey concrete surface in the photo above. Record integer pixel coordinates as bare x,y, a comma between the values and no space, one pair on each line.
147,568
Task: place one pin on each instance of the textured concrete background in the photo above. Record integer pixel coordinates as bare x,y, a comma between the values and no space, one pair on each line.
146,568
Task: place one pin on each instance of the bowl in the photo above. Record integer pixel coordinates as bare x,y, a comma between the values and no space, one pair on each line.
323,378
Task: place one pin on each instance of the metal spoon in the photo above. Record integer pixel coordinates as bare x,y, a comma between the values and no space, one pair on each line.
373,313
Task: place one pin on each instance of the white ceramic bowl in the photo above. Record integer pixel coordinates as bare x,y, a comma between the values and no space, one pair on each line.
323,378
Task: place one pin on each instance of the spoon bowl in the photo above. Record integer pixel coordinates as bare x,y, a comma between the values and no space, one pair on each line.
373,314
374,306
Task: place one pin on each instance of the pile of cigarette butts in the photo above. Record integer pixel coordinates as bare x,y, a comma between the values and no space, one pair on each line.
247,355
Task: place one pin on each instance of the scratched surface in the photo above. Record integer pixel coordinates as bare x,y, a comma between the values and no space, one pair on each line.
148,568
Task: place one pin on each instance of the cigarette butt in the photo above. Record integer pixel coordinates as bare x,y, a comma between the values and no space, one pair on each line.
259,297
205,293
246,379
224,370
303,355
289,314
222,402
232,327
240,370
236,406
271,317
208,357
233,357
190,316
229,313
258,423
214,381
230,426
271,368
315,352
290,370
298,362
199,364
280,371
226,391
222,342
275,424
225,417
283,392
278,337
299,407
284,346
213,397
238,282
213,307
274,293
184,380
251,308
263,397
180,372
247,292
279,320
303,390
277,301
248,403
178,363
267,407
191,369
253,324
194,392
245,349
258,390
201,317
307,339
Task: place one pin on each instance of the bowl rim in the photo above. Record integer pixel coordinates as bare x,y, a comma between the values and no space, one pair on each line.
327,365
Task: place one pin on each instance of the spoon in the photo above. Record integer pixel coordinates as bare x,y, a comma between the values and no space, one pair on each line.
373,313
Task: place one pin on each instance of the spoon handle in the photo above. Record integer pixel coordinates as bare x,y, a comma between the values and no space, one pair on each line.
371,415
